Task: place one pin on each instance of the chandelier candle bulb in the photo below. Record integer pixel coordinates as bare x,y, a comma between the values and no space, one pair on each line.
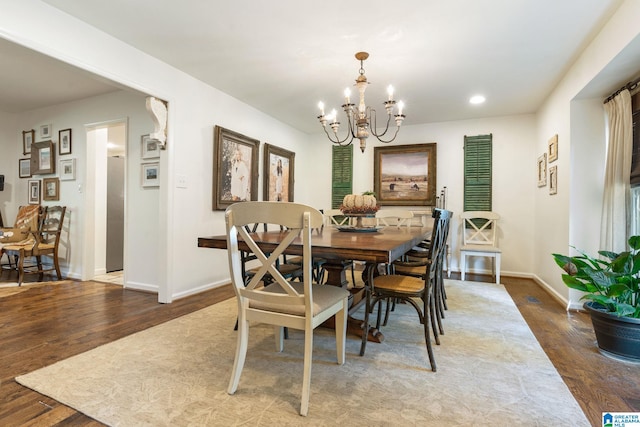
321,107
347,94
390,92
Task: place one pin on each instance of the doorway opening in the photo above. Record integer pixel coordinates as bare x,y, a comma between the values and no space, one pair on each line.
108,142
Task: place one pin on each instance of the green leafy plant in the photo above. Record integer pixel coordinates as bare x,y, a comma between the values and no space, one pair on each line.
612,282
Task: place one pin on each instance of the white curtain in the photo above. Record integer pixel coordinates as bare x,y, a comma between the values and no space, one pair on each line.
615,206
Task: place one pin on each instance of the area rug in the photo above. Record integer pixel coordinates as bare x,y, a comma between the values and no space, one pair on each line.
12,288
491,371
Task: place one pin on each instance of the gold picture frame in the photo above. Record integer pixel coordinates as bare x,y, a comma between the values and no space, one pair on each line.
542,170
51,189
405,174
235,168
278,174
553,180
552,151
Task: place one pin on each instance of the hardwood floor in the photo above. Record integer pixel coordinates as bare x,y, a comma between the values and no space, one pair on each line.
52,322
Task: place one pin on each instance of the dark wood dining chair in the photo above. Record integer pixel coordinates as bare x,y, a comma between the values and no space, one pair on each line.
406,288
413,265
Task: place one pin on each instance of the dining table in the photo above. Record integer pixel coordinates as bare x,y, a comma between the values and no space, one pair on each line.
339,247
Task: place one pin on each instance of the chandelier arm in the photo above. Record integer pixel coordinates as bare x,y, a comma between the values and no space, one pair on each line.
374,122
390,140
337,139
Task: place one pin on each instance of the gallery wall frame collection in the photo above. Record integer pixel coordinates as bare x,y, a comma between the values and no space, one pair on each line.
150,171
42,161
545,170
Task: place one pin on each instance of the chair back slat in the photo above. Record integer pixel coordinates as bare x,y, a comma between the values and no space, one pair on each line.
479,228
335,217
394,217
296,221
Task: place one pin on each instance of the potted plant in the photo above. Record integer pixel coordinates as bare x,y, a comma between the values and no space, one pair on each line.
611,289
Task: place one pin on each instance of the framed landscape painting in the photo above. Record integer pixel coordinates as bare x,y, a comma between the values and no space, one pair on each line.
235,168
405,174
278,174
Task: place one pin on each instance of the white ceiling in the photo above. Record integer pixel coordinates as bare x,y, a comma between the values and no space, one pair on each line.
283,56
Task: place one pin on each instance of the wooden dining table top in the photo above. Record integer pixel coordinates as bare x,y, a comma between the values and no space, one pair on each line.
382,246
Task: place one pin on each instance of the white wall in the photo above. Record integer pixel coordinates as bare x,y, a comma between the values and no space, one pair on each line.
514,178
180,268
572,217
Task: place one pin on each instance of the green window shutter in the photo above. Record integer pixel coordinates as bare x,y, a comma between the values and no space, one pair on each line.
477,173
341,174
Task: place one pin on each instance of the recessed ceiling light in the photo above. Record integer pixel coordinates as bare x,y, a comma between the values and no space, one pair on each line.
477,99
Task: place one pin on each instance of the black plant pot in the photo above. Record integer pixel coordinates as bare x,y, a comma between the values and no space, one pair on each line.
618,337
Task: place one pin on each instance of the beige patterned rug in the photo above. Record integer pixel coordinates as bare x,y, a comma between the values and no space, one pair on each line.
11,288
491,371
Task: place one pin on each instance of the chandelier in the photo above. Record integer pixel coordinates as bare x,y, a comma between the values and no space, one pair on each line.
361,119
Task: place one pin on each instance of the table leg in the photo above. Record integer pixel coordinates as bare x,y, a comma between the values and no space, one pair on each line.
336,276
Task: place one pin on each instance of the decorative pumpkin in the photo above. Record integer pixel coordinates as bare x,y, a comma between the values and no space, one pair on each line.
359,204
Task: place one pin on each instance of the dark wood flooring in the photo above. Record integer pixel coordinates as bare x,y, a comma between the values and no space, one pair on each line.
53,322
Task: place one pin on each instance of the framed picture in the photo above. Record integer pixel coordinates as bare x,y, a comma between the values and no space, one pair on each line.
235,168
151,174
27,139
552,153
34,191
43,158
67,169
405,174
51,189
542,170
150,147
24,168
553,180
278,174
45,131
64,141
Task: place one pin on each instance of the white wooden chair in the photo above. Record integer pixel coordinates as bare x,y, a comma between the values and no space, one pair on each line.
298,305
394,217
479,239
335,217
